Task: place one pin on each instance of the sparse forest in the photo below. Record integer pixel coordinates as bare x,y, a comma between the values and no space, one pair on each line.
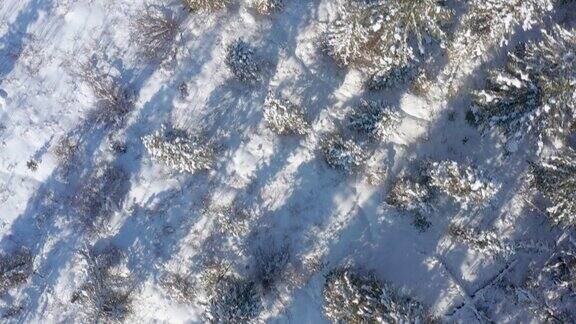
284,161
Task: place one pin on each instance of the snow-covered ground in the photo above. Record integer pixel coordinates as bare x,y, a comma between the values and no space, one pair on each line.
161,219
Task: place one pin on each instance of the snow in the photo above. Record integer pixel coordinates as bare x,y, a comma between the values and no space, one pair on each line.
320,212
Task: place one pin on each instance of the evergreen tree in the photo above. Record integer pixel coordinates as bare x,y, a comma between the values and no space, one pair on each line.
353,298
534,94
284,117
342,154
180,151
385,34
555,178
461,182
374,119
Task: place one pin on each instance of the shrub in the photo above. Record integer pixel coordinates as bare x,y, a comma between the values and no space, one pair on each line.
15,269
154,32
284,118
268,7
206,5
374,119
114,101
342,154
350,297
107,291
243,63
66,149
180,151
100,194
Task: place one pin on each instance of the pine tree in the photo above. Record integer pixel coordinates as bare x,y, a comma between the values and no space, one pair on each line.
555,178
353,298
180,151
242,61
284,117
461,182
342,154
413,196
534,94
549,290
385,34
484,241
374,119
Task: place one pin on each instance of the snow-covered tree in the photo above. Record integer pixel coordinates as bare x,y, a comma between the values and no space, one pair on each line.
555,178
268,7
385,34
374,118
412,195
233,300
461,182
535,93
180,151
342,154
350,297
549,290
243,62
284,117
495,19
206,5
15,269
483,241
154,32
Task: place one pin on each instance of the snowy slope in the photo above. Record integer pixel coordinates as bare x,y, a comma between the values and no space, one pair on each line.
159,217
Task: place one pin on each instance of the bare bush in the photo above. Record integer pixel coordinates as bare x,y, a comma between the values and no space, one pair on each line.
102,193
206,5
243,62
114,100
66,149
284,117
271,263
179,150
155,31
107,291
233,300
15,269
